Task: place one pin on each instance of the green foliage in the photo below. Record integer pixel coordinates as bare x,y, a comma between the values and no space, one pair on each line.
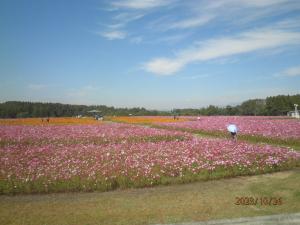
281,104
272,106
15,109
253,107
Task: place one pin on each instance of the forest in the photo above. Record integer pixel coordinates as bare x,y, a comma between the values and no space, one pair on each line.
271,106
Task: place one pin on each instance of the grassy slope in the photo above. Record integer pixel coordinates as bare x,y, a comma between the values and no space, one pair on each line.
165,204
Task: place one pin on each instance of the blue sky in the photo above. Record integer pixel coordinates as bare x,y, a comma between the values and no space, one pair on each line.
158,54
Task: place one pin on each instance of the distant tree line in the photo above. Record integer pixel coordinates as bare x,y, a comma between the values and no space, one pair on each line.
271,106
17,109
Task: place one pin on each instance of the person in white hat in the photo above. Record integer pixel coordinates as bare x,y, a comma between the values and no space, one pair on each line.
232,128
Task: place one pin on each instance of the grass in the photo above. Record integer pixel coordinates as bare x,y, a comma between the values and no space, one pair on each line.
165,204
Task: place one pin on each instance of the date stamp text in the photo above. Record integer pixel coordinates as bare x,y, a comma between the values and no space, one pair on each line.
262,201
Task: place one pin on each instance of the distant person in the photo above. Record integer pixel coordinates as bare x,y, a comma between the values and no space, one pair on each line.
232,128
48,119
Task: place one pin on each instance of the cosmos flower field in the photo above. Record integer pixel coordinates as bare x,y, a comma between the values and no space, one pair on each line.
106,155
275,127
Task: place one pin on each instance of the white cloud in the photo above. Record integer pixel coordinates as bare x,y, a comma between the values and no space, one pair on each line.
237,13
82,91
291,72
194,77
190,22
244,3
289,23
231,14
122,19
167,23
115,26
172,39
37,87
128,17
113,35
223,47
136,40
164,66
141,4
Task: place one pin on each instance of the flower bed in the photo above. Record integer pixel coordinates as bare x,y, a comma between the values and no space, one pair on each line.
54,166
255,126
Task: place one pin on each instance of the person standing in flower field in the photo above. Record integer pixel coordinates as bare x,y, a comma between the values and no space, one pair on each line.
232,128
